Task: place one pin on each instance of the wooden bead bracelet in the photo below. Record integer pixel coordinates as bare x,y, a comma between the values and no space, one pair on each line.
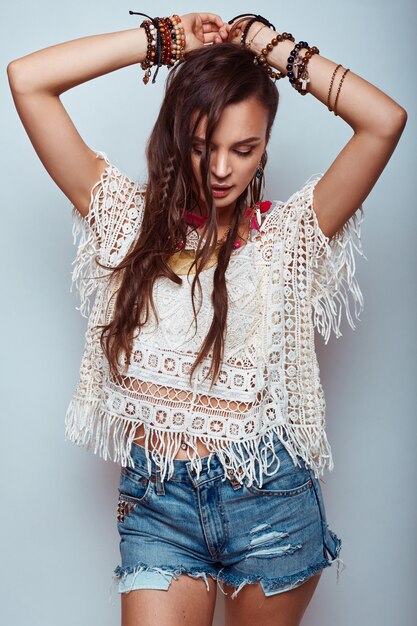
261,58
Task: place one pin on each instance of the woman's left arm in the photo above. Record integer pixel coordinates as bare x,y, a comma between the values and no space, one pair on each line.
376,119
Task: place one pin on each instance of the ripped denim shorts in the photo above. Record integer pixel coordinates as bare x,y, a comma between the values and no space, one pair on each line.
212,526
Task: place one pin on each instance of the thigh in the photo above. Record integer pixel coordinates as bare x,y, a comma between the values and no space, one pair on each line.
252,608
187,602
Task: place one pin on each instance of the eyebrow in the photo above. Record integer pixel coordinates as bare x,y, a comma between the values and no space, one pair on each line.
238,143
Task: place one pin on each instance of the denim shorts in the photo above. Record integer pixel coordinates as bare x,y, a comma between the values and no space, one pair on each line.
214,526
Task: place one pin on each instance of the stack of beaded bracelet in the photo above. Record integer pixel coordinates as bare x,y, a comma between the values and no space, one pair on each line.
297,66
298,76
166,43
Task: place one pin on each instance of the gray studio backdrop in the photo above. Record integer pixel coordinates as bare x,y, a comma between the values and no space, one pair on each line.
58,523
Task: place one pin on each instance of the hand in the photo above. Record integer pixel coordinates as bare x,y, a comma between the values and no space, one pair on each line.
201,29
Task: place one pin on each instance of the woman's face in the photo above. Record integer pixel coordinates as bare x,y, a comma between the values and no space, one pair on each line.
238,143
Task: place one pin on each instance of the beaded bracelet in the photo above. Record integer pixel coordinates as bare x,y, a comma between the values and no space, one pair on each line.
261,58
179,35
165,42
304,77
150,51
299,76
171,42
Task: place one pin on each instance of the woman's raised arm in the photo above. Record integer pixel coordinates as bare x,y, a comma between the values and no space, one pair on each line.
376,119
37,80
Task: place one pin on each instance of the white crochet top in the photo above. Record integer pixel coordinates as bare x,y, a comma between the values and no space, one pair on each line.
287,280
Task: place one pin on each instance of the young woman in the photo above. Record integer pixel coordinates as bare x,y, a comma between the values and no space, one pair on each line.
199,374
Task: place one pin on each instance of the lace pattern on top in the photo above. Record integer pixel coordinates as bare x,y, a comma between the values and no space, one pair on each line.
105,233
286,281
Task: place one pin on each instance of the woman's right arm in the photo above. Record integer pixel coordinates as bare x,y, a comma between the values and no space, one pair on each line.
37,80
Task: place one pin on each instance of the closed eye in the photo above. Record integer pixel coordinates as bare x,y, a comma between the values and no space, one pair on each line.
238,152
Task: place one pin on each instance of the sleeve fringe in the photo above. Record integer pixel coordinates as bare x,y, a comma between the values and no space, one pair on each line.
334,270
86,271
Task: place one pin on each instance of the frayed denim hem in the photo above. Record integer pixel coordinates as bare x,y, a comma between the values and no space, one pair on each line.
271,586
165,573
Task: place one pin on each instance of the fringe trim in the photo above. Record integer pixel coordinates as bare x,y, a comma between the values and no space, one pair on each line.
334,267
86,272
88,424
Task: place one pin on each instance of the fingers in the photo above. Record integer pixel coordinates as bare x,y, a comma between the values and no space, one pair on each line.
212,18
212,38
213,34
238,28
215,30
213,23
224,31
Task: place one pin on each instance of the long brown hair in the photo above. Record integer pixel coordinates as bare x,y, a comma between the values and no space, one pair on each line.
202,85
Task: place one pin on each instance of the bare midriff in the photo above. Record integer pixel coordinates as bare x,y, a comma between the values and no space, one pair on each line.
181,454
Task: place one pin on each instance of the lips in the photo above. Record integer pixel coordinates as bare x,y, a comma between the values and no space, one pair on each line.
221,187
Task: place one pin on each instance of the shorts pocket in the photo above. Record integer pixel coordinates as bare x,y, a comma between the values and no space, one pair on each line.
288,480
135,485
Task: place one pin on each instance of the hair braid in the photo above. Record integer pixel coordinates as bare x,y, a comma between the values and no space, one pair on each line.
167,181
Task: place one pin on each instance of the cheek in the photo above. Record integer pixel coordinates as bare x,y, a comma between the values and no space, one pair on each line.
247,171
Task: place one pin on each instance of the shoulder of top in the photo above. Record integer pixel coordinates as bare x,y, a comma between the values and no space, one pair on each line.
120,174
135,185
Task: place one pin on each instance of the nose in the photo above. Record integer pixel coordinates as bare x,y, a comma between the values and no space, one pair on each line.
220,165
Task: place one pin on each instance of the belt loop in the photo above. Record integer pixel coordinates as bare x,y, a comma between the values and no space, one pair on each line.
160,489
233,479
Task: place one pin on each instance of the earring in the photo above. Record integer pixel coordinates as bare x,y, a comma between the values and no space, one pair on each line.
257,185
259,171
